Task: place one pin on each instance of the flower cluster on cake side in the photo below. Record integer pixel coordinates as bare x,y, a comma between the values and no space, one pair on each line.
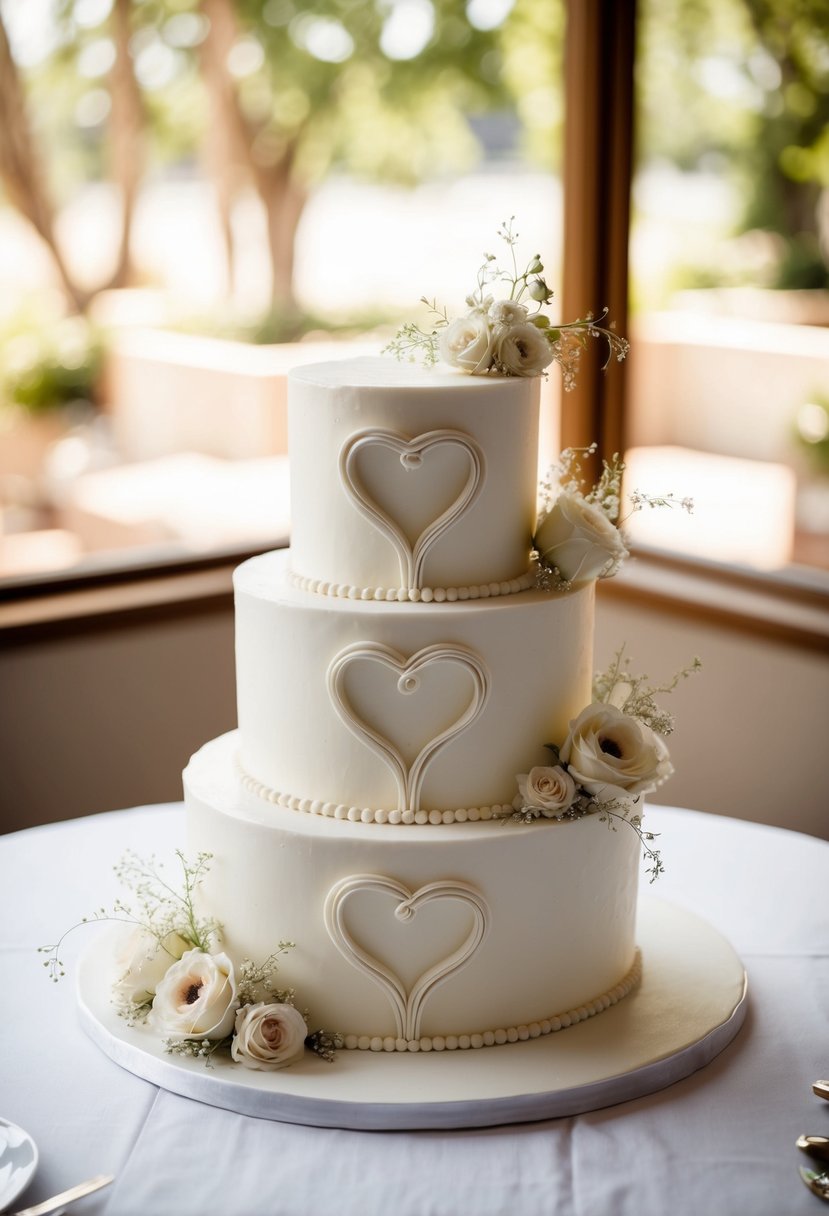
171,974
508,336
614,754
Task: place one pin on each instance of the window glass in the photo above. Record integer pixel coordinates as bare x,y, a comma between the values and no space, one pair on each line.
729,367
197,197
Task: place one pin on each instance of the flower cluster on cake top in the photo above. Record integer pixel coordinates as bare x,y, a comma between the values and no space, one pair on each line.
510,334
171,974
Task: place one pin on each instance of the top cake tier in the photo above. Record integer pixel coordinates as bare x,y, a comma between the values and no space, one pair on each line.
409,483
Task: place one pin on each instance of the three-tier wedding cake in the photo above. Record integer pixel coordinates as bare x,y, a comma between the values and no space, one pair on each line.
397,670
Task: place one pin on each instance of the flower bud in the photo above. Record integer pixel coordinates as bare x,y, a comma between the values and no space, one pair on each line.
536,266
540,321
539,290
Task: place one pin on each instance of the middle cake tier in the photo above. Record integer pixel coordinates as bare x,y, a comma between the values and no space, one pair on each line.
397,712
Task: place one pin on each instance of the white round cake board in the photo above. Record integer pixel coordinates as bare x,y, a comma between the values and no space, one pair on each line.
689,1006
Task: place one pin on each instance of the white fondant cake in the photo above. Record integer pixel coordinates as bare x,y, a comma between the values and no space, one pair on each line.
448,930
398,707
396,670
404,478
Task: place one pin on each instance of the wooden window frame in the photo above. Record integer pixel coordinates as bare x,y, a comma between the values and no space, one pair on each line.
598,166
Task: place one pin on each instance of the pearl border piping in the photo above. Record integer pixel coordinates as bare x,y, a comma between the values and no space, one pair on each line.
355,814
414,595
510,1034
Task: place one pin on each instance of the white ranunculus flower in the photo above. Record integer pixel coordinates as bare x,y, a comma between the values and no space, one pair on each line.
612,755
197,998
268,1036
143,961
507,312
550,790
578,539
523,349
467,343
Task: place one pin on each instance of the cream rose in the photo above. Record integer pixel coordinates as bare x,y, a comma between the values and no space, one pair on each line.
268,1036
142,962
523,350
550,790
467,343
612,755
578,539
507,312
196,998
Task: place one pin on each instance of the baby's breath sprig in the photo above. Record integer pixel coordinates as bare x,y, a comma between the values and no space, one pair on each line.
254,980
571,338
607,492
530,814
411,342
639,500
198,1049
568,471
53,963
634,695
569,474
616,811
164,909
161,909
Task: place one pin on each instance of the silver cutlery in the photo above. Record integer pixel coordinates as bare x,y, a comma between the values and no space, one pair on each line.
74,1192
817,1183
816,1147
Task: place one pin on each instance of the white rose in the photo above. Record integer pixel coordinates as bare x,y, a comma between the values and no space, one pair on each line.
549,789
507,312
578,539
467,343
268,1036
143,961
523,350
197,998
613,755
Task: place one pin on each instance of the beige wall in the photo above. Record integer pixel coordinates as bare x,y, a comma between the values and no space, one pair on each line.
104,720
108,719
752,729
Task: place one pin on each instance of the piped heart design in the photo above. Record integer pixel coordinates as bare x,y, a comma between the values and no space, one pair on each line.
409,778
407,1006
411,555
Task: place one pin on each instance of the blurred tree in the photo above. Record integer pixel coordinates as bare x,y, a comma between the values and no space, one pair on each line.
742,86
126,135
272,94
21,167
383,90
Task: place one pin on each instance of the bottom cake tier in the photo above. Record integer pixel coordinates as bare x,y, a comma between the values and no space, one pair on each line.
420,936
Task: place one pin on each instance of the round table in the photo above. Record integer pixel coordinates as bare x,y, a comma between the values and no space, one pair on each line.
721,1141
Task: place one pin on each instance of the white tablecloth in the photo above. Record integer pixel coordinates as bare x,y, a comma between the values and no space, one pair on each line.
720,1142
